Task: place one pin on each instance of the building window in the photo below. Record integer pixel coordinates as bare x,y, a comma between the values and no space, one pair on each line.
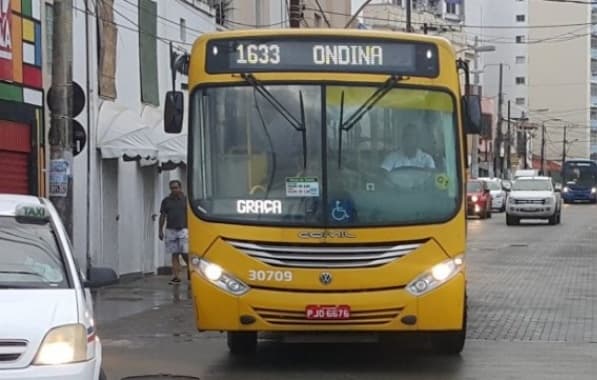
519,39
107,37
520,80
148,52
520,18
397,2
451,8
183,30
520,59
520,101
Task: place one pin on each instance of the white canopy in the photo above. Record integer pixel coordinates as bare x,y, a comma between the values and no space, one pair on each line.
121,132
170,148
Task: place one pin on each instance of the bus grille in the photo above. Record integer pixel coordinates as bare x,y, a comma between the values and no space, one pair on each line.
297,317
11,350
324,256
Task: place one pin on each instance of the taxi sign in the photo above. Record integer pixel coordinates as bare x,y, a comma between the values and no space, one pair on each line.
30,213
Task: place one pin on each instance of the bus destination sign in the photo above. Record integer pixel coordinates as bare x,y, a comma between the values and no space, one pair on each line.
374,56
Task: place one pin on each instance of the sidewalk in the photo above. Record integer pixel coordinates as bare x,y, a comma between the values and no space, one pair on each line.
137,296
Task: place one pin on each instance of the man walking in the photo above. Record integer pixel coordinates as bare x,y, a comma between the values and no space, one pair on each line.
173,214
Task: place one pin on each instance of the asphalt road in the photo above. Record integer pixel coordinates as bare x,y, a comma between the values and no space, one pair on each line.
532,315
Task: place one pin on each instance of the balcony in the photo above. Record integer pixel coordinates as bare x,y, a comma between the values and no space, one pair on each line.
593,101
593,124
593,53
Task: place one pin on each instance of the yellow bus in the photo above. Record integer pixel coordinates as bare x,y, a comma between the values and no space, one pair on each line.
326,185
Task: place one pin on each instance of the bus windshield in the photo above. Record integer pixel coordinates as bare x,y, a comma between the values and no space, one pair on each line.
396,165
580,173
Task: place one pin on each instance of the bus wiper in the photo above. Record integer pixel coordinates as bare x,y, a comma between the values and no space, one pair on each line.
369,103
298,125
357,115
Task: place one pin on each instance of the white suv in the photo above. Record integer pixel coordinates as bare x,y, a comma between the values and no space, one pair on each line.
533,198
46,323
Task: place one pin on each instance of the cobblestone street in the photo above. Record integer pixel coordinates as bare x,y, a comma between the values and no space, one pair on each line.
532,304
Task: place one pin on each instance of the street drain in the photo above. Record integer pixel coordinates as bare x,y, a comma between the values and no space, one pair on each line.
160,377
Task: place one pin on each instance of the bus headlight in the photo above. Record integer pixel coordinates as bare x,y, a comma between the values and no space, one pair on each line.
217,276
436,276
594,190
565,189
63,345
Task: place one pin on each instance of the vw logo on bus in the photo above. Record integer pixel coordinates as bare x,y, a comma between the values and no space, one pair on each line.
325,278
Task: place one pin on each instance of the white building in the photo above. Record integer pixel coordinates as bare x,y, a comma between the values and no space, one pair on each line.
545,52
121,60
245,14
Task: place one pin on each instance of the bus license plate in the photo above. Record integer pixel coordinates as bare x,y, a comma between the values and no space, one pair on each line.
329,312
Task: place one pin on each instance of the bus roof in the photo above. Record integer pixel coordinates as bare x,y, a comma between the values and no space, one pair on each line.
287,32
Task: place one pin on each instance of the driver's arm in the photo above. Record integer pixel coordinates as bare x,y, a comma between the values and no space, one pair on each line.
429,163
389,162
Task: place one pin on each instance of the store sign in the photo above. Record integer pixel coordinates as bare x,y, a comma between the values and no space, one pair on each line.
5,41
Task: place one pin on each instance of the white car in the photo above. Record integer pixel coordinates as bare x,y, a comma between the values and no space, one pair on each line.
46,314
498,194
533,198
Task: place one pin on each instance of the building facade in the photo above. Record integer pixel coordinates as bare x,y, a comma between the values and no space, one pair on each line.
22,130
121,60
435,17
243,14
545,52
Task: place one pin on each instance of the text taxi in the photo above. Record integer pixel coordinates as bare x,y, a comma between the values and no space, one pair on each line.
46,324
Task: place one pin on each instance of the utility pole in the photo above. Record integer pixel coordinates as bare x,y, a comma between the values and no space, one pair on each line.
258,21
525,148
409,27
497,148
508,143
564,146
60,136
475,137
543,148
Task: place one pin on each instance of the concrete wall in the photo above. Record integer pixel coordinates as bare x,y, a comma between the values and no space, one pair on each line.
560,73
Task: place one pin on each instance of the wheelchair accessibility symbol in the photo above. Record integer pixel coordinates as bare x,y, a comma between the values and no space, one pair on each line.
339,213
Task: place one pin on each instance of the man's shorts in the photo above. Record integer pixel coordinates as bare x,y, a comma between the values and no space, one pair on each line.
177,241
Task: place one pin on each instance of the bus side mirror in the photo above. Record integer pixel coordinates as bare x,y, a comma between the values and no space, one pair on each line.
173,112
471,110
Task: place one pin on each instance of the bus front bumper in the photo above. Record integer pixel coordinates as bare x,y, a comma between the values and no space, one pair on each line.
442,309
579,195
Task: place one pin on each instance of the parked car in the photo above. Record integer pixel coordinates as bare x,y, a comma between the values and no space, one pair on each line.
478,199
533,198
498,193
47,329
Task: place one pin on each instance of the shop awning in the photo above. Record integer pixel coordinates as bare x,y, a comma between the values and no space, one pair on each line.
171,148
122,133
